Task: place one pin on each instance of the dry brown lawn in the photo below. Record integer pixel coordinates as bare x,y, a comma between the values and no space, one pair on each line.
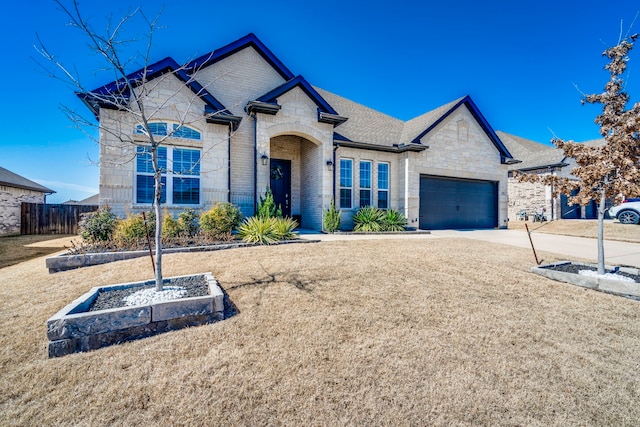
613,230
16,249
368,332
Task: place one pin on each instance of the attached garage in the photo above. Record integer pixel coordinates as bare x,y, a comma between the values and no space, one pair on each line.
457,203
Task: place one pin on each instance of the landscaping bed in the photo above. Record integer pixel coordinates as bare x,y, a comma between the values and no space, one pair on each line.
577,274
101,317
66,262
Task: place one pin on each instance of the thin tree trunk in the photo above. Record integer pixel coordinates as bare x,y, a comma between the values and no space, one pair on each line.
156,205
601,206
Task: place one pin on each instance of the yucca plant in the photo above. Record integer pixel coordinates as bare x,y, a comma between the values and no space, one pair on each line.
368,219
393,220
283,228
258,230
331,219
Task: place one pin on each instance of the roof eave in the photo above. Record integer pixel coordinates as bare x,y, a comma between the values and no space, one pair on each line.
396,148
333,119
262,107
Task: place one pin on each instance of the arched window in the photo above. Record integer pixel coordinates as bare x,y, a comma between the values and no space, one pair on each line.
174,130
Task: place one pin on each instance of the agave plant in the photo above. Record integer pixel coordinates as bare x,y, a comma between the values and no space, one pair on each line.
368,219
258,230
393,220
283,228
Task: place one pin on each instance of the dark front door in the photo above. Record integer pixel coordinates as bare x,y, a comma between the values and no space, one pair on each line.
280,184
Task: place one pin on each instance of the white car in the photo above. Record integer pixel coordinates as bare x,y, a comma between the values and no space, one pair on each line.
628,212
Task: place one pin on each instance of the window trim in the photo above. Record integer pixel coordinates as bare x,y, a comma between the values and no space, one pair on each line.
168,175
174,126
368,188
346,187
386,188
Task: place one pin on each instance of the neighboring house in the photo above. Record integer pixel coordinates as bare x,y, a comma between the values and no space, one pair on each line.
254,124
15,189
541,159
92,200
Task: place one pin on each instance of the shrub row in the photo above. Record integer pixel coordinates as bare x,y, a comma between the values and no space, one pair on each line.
104,229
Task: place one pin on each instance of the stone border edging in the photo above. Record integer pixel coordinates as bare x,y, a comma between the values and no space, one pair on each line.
74,329
69,262
616,287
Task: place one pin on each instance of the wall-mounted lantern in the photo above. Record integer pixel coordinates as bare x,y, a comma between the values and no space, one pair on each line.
330,165
264,159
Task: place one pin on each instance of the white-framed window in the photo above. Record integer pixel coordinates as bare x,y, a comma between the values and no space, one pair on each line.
346,183
383,185
173,130
180,168
365,183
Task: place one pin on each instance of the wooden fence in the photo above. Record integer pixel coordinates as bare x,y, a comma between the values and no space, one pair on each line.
40,218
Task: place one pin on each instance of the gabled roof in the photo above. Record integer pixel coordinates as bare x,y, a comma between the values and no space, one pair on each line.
533,155
11,179
110,95
326,113
228,50
446,110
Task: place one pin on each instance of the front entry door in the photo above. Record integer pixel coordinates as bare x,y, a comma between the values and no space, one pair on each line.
280,182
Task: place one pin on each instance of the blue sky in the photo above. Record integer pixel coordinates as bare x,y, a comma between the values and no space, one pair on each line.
519,61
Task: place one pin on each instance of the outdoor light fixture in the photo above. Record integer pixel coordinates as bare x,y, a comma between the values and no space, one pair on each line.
329,165
264,159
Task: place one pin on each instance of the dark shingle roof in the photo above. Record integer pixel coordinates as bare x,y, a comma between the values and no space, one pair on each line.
11,179
533,155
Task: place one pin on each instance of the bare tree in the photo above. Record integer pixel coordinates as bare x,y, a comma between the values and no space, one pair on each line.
612,170
134,96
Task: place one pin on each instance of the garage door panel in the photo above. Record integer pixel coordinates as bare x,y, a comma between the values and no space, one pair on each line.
457,203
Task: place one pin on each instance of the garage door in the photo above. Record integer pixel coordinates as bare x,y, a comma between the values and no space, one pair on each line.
457,203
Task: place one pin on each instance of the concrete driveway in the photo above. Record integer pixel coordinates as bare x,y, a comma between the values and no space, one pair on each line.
616,253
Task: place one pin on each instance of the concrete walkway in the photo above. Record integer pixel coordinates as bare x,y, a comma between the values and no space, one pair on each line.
616,253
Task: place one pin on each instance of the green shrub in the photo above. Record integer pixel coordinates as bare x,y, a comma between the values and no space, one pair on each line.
368,219
221,219
188,220
331,219
283,228
131,230
267,207
393,220
171,227
98,226
258,230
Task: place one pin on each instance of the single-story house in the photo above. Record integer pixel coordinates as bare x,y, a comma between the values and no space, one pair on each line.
542,159
91,200
15,189
237,121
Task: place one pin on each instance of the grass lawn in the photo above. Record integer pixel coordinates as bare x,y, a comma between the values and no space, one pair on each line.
16,249
363,332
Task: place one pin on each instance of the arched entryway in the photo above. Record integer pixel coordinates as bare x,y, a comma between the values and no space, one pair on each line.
295,178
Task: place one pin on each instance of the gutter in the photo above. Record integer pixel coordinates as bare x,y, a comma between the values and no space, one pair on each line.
395,148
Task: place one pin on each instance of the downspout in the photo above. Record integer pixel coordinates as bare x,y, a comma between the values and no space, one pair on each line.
255,163
406,186
335,166
229,164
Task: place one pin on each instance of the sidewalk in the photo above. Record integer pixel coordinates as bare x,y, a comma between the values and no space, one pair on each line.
616,253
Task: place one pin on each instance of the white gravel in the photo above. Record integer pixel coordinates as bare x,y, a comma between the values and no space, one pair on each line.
611,276
150,296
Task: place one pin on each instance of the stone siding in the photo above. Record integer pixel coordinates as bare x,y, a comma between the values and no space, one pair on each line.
395,196
458,148
11,199
117,157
